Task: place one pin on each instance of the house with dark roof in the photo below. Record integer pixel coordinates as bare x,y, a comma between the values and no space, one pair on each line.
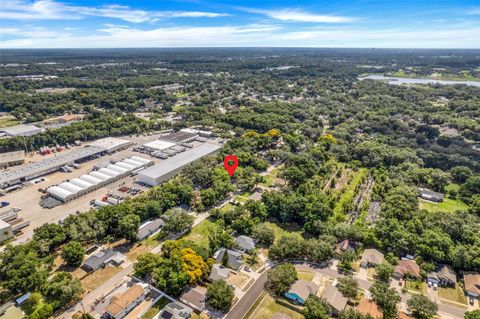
102,259
195,297
218,272
343,246
234,262
335,299
149,227
371,258
472,284
406,267
245,243
175,310
445,276
122,303
300,290
430,195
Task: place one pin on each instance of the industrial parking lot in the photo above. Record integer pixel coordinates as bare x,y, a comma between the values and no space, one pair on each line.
29,197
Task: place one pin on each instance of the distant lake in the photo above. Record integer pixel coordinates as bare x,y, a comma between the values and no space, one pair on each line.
398,81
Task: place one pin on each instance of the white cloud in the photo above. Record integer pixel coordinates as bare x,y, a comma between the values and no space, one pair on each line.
261,35
301,16
52,10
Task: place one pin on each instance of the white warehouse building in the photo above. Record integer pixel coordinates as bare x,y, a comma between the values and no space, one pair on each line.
170,167
77,187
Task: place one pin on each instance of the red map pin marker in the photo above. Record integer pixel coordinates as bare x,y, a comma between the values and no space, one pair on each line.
230,168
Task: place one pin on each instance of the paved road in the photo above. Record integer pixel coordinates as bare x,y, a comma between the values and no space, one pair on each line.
241,308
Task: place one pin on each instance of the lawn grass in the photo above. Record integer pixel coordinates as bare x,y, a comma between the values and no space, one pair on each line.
142,248
455,294
8,121
305,275
199,233
227,207
156,308
268,307
285,230
417,286
97,278
448,205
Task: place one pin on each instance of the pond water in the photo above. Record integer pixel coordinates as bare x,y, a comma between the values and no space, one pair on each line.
398,81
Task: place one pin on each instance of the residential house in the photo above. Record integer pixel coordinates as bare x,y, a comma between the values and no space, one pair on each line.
234,262
175,310
245,243
195,297
335,299
122,303
218,272
430,195
300,291
22,299
369,307
406,267
344,246
472,284
149,227
446,276
102,259
371,258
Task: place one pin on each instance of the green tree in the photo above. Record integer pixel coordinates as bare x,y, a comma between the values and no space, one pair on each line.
177,220
348,286
385,297
421,307
21,270
73,253
146,264
62,289
316,308
281,278
384,271
351,313
264,235
220,295
128,226
474,314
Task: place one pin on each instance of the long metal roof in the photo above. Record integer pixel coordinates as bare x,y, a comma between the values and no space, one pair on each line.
48,164
179,160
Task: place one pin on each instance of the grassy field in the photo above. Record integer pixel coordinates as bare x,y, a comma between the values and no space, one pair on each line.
454,294
285,230
348,194
448,205
271,177
268,307
156,308
199,233
7,121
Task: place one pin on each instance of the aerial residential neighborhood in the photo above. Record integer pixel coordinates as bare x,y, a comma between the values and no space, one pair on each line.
239,160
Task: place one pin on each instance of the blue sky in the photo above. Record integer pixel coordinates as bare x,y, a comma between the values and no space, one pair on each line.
218,23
